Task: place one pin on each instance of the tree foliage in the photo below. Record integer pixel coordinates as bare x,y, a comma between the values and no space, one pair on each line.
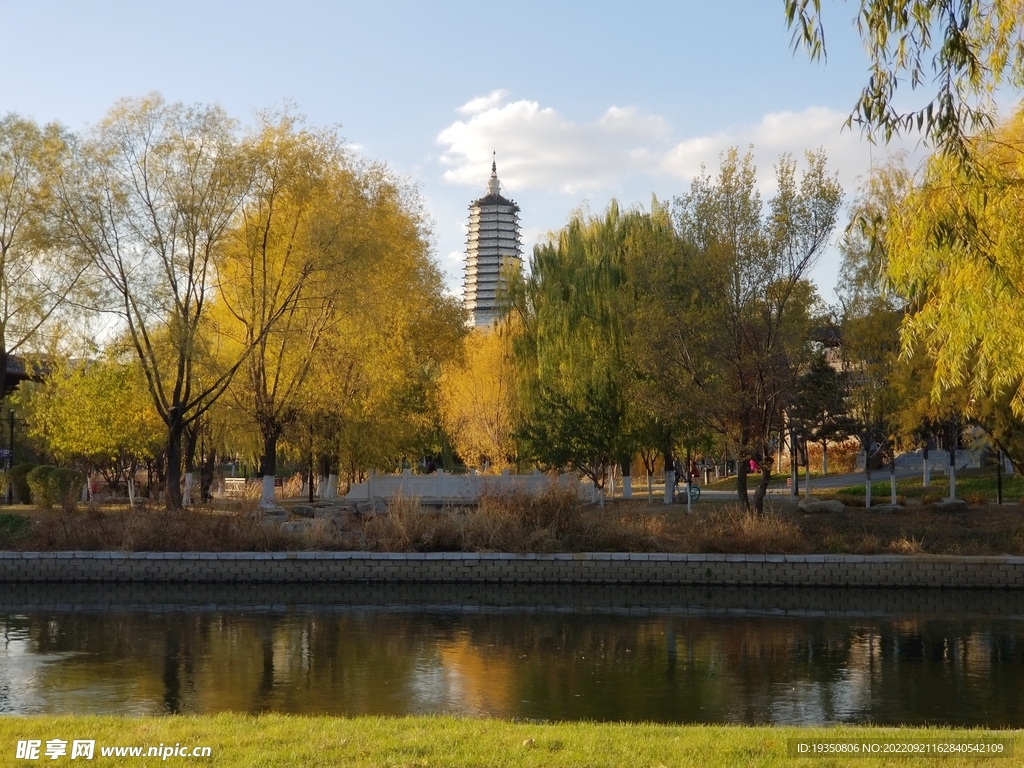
477,400
963,49
569,348
754,295
36,275
956,245
97,415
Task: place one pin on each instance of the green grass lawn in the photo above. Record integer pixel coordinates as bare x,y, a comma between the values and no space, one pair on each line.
975,485
777,478
281,740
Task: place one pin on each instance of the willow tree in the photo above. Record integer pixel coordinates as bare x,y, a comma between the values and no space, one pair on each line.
958,50
754,292
955,253
148,196
569,347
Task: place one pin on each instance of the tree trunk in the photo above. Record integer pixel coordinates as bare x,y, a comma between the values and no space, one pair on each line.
670,479
627,481
762,488
268,468
191,437
172,485
206,477
743,461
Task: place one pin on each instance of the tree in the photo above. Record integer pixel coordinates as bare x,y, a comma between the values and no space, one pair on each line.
370,399
477,399
820,409
295,248
973,46
955,253
97,414
147,197
569,346
753,292
36,276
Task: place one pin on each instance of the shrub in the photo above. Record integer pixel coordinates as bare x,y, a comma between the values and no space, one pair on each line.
64,486
18,477
39,487
976,497
13,527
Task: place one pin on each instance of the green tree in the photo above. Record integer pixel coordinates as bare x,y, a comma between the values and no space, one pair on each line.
95,414
569,348
820,409
755,296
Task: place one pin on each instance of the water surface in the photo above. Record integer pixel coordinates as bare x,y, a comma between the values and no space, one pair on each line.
710,655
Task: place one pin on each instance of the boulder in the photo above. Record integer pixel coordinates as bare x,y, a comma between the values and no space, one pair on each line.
375,507
821,505
951,505
297,527
886,509
303,510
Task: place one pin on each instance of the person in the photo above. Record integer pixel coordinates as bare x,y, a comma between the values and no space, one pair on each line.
754,466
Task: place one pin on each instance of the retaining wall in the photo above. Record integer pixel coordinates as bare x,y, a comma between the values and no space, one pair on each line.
1002,572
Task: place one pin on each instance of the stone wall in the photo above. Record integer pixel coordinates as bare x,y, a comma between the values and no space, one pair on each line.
1002,572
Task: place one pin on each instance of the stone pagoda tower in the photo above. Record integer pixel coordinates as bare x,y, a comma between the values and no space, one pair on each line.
494,240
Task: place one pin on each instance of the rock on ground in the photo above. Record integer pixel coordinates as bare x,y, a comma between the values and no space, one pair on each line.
821,505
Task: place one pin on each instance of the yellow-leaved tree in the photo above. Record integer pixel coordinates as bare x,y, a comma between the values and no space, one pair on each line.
477,400
97,414
956,251
287,264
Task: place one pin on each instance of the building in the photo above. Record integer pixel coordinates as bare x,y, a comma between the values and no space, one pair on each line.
494,240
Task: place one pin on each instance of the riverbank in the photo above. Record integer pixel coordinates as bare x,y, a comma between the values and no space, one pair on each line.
280,740
547,525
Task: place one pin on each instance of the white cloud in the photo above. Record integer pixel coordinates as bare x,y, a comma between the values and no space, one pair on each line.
539,148
484,103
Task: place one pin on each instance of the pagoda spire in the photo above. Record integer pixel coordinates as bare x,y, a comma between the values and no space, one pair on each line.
493,185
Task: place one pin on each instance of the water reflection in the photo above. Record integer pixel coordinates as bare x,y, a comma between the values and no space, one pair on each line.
557,663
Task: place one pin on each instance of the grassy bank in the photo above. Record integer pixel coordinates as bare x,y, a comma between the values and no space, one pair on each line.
279,740
554,523
976,486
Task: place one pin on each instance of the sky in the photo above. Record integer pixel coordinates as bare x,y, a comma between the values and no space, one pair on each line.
582,102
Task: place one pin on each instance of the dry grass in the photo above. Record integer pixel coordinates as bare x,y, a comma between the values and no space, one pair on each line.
556,521
148,530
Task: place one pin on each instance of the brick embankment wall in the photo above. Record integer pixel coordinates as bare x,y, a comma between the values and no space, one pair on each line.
1003,572
480,598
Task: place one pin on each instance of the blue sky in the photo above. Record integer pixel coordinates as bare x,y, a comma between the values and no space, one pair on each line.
583,101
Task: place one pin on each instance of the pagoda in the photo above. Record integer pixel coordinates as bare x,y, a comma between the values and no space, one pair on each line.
494,241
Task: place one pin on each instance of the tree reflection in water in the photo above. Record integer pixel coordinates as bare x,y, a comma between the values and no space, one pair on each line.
555,665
